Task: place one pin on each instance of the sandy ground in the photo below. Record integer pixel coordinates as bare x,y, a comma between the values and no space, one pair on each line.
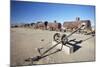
24,44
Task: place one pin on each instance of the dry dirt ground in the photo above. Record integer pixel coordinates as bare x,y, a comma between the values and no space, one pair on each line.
24,44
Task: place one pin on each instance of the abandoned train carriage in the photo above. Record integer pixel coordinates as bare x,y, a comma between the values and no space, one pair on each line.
54,26
50,26
57,26
73,25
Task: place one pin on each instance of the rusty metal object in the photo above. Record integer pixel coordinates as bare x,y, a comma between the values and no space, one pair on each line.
59,39
64,39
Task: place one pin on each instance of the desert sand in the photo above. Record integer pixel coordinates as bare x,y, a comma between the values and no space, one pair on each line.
24,44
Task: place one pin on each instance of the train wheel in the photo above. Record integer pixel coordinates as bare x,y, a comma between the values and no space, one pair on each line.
64,39
57,37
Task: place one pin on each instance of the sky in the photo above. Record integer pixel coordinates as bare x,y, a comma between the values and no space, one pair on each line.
28,12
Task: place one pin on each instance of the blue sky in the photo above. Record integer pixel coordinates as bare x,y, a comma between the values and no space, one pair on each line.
27,12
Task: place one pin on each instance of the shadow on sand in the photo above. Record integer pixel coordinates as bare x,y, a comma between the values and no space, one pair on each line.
75,45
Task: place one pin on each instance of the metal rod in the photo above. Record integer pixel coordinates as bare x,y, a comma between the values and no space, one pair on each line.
50,54
61,47
51,48
74,31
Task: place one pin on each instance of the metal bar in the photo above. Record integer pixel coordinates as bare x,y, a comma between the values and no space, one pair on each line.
61,47
53,52
50,54
74,31
51,48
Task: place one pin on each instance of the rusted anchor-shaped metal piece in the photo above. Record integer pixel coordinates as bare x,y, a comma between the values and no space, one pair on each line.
56,37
